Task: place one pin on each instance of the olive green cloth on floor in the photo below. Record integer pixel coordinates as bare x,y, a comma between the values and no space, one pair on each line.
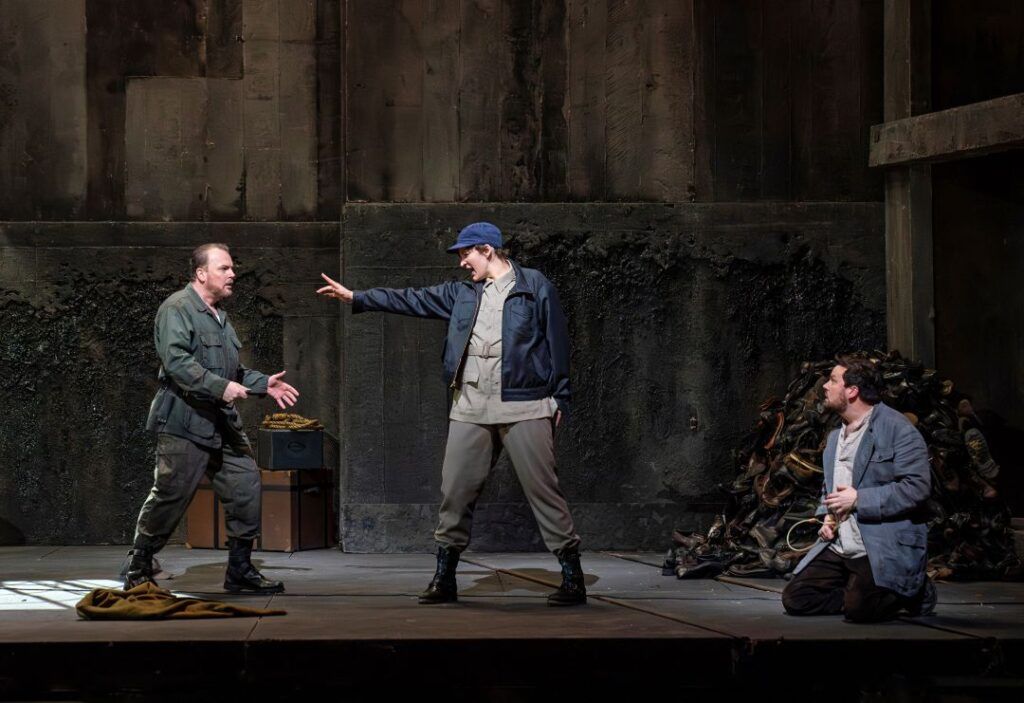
147,601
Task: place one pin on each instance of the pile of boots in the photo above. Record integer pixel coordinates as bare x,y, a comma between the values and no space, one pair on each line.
767,521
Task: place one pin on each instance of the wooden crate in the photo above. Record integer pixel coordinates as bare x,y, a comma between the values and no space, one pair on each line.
297,514
298,510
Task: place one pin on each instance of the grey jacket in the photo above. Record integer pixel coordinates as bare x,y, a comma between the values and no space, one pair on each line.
893,481
198,357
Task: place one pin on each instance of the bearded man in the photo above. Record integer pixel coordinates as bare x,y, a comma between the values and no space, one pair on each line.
869,561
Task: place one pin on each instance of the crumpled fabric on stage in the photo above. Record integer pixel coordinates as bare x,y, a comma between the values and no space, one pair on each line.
147,601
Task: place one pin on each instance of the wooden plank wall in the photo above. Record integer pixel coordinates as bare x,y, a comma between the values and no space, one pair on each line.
284,110
42,109
440,101
982,54
261,155
611,100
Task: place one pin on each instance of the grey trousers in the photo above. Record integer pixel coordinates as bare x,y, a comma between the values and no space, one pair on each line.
180,464
471,453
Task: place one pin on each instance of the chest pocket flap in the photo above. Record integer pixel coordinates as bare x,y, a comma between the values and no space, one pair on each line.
213,351
882,454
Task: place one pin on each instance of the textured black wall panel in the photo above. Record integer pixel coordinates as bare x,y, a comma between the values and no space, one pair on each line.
78,368
679,315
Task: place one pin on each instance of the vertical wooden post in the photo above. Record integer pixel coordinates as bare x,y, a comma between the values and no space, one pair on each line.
908,190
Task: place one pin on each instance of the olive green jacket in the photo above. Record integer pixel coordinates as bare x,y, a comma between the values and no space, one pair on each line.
198,357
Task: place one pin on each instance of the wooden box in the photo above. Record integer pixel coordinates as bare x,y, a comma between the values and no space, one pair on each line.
290,449
298,510
297,514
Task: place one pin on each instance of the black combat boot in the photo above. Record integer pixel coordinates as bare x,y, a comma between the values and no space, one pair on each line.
140,568
242,576
442,588
572,591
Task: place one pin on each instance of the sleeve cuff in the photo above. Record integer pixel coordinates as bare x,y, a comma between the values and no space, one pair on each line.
217,387
868,505
260,386
358,302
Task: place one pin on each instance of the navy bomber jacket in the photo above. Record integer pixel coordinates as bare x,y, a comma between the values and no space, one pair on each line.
534,332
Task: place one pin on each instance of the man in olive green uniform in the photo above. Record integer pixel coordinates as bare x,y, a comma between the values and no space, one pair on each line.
198,427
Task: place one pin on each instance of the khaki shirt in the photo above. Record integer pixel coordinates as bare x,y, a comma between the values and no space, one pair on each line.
478,399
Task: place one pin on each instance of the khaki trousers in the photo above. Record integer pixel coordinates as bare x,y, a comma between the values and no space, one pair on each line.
180,464
472,452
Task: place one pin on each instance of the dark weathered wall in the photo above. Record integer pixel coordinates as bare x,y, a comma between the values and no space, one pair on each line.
691,174
979,231
42,110
978,51
76,348
979,330
683,319
594,100
696,309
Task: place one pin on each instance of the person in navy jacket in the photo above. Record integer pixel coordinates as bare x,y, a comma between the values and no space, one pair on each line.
506,360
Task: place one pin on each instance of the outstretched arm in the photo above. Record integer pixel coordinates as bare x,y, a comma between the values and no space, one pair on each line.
335,290
431,302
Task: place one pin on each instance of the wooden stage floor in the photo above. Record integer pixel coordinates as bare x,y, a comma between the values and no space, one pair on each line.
354,627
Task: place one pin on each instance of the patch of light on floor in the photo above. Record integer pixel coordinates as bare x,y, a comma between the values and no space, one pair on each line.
48,595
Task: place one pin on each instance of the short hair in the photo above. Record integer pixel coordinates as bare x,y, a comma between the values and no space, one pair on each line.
201,256
863,373
498,252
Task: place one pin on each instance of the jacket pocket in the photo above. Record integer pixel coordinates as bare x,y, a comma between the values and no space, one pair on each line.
213,351
525,311
541,367
882,454
911,538
198,425
521,320
160,408
462,315
471,374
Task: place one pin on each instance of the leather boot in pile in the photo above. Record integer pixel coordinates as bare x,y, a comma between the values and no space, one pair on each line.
140,568
573,591
241,576
442,588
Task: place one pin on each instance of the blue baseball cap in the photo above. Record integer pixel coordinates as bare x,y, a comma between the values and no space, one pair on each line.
477,233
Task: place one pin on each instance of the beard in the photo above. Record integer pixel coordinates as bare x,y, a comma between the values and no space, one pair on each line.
839,405
223,291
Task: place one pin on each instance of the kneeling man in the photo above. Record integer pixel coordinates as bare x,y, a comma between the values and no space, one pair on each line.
869,561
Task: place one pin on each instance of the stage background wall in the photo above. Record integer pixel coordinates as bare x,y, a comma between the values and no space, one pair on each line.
692,175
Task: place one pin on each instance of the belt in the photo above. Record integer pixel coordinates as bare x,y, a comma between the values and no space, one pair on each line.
192,399
486,351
